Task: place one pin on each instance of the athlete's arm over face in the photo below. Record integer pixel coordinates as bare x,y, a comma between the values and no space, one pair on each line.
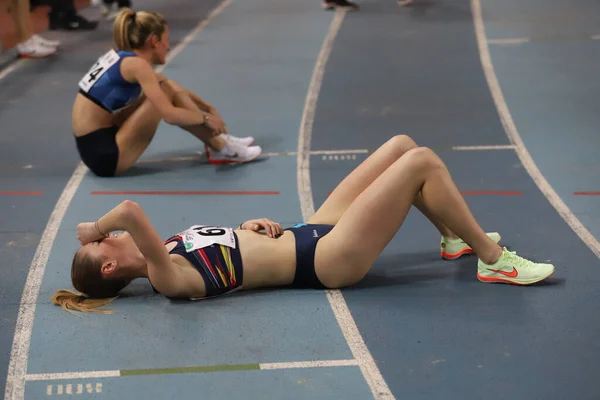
129,216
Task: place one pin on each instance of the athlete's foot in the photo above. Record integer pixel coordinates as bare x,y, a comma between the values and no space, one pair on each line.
34,49
451,249
510,268
244,141
341,4
233,152
46,42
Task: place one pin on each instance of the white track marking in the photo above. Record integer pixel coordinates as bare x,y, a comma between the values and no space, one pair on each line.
117,373
476,148
12,67
17,367
509,41
515,138
73,375
367,364
327,154
310,364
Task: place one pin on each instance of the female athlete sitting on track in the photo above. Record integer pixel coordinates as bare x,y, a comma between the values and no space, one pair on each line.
335,249
121,101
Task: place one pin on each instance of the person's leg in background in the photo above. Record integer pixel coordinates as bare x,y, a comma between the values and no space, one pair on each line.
29,45
64,16
342,4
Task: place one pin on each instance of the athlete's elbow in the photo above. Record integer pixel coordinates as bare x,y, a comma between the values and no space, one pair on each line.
130,209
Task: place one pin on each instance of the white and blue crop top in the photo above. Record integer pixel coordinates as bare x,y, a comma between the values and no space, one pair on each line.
104,85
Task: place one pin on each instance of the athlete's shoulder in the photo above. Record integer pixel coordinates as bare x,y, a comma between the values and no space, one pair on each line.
135,64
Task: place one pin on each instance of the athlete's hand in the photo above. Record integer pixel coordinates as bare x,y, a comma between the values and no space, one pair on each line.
273,229
217,124
87,233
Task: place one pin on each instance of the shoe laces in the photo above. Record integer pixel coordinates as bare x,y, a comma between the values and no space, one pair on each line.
517,261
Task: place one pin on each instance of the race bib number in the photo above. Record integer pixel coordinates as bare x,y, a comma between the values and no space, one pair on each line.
98,69
200,236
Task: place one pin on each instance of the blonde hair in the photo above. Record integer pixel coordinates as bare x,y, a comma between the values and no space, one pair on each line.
131,29
69,300
96,290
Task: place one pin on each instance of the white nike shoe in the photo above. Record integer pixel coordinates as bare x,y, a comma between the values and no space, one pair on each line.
33,49
244,141
232,153
46,42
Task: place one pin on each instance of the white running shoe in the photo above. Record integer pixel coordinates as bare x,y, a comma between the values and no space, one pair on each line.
244,141
46,42
33,49
232,153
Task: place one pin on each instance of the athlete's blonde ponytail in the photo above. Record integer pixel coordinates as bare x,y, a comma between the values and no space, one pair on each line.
69,300
132,29
96,290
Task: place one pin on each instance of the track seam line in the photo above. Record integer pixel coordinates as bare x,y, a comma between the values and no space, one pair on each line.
368,367
19,357
515,138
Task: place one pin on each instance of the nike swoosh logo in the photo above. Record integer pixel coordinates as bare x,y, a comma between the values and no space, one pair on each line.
511,274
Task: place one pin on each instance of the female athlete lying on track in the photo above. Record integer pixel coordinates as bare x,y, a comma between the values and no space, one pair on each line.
121,101
334,249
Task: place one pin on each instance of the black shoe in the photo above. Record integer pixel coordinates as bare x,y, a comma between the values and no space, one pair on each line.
343,4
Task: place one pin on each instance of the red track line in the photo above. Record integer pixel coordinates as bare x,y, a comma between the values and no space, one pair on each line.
586,193
12,193
492,193
184,192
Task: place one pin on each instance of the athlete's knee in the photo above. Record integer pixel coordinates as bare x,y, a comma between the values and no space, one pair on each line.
168,89
174,86
424,159
402,143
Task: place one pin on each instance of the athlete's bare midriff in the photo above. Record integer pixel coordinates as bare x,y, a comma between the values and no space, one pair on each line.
267,261
88,117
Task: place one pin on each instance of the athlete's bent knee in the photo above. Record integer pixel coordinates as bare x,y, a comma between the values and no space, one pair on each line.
401,144
424,159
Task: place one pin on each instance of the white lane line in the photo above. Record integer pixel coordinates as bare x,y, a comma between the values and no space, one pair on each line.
310,364
367,364
73,375
327,154
17,367
477,148
509,41
12,67
263,366
513,135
